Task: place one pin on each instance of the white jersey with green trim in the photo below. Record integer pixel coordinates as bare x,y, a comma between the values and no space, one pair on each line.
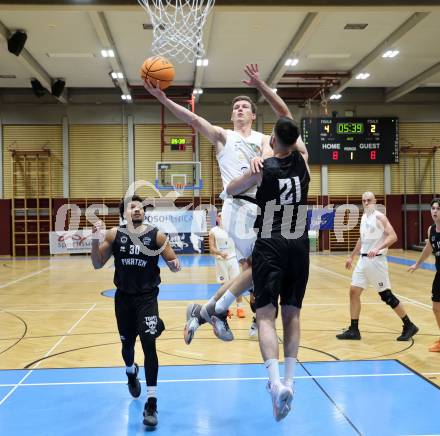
236,156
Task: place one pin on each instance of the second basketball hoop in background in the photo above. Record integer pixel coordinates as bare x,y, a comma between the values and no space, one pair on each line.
158,68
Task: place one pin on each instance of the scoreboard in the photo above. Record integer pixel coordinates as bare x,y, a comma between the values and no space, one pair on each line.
351,140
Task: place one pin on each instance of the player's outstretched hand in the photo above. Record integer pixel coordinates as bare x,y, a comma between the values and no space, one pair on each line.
413,267
155,91
348,263
251,70
174,265
98,229
256,164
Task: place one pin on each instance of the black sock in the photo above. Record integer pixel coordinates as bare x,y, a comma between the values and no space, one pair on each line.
354,324
406,320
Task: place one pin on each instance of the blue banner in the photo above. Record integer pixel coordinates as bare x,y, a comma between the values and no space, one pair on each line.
321,218
186,243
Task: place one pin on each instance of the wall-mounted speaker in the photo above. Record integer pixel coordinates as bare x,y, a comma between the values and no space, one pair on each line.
38,88
16,42
58,87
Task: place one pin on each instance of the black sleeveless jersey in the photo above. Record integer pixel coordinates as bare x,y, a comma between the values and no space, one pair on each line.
434,240
136,272
282,197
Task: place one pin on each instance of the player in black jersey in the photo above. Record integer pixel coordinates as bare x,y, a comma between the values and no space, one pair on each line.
433,246
136,248
281,254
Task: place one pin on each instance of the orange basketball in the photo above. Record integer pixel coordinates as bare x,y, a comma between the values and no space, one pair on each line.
158,68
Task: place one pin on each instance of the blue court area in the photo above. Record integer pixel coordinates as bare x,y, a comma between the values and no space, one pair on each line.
191,260
187,291
331,398
409,262
197,260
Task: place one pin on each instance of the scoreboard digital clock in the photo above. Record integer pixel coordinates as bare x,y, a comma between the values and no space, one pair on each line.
351,140
177,143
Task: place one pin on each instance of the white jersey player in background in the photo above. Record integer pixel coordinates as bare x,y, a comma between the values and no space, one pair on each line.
376,235
222,247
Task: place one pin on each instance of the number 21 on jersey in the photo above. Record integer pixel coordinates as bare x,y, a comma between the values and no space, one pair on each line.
288,193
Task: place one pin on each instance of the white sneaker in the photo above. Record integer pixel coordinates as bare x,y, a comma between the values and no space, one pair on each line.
221,328
253,330
282,397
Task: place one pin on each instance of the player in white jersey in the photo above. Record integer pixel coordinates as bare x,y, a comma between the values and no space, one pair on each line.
376,235
235,150
222,246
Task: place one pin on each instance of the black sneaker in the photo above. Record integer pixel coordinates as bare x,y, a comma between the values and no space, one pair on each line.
350,333
133,383
150,412
408,332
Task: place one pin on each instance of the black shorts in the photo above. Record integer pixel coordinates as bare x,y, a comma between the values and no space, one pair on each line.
280,268
436,288
137,315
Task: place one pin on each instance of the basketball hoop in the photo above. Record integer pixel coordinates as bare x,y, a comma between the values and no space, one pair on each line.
178,27
179,186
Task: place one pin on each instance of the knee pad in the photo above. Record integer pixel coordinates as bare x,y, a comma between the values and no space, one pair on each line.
389,298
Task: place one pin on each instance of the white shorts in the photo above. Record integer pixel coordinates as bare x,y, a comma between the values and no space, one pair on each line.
371,272
238,218
226,269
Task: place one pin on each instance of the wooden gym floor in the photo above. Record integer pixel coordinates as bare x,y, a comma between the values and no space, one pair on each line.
52,315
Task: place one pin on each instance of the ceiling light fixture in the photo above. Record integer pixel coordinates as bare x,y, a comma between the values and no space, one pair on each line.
291,62
202,62
107,53
390,54
363,76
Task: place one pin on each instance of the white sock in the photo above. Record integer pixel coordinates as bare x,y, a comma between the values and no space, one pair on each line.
273,368
224,302
151,391
130,369
210,306
289,370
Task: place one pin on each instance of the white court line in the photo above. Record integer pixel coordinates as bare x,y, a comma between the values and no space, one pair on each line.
4,285
410,300
191,380
47,354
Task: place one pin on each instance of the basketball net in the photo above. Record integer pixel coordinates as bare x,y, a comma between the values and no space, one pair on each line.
178,27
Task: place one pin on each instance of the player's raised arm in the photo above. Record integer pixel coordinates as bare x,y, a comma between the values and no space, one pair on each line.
215,134
301,147
276,102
